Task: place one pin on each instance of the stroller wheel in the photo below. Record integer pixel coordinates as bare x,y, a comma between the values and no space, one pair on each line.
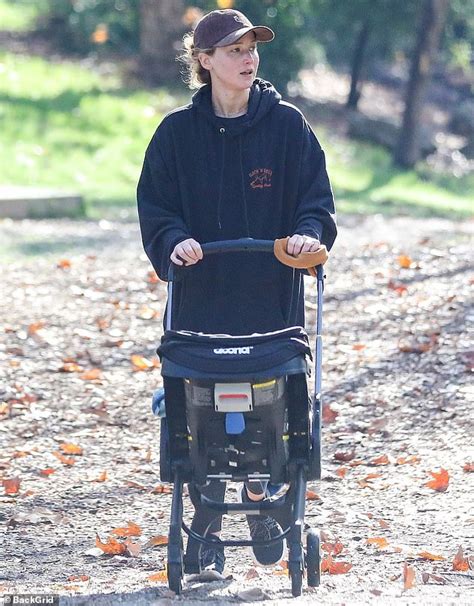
175,576
165,456
313,558
296,576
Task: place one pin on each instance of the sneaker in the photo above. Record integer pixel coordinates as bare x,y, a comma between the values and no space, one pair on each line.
212,558
263,528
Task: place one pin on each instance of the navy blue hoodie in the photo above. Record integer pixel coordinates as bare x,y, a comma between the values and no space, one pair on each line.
262,175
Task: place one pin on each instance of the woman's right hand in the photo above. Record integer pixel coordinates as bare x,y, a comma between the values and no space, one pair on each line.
187,252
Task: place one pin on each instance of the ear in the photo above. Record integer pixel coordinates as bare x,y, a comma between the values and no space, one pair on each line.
205,61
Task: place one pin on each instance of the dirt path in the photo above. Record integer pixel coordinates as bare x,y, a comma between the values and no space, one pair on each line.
396,376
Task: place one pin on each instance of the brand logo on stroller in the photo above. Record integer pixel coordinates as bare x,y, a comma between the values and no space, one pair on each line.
233,350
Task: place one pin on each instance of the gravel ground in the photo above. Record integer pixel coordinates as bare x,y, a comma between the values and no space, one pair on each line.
78,301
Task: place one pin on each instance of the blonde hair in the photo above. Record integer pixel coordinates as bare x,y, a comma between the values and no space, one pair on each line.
194,75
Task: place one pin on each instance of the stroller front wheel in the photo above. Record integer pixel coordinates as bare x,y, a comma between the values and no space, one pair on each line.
313,558
175,576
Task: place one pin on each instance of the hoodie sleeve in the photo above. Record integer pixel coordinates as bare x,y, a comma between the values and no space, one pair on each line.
159,209
315,214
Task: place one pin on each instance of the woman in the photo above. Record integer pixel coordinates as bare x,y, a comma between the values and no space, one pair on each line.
236,162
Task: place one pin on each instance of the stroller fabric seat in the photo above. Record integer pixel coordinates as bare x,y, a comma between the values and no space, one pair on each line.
188,354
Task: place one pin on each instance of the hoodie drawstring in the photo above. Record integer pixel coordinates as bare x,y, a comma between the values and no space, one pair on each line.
221,180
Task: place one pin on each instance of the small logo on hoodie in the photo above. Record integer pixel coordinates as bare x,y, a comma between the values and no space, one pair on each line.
261,178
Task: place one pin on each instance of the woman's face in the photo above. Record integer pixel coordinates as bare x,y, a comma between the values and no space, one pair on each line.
233,67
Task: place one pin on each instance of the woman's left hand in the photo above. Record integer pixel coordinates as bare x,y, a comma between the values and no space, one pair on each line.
298,244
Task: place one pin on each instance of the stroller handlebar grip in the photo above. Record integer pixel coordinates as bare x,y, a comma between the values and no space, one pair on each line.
239,245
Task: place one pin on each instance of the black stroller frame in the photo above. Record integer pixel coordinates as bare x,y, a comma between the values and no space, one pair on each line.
303,460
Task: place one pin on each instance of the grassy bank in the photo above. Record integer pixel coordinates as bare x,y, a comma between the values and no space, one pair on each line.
66,125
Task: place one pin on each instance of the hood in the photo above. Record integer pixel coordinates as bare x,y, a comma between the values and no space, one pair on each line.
263,97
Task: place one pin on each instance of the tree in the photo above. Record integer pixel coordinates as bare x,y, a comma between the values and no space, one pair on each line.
430,27
161,30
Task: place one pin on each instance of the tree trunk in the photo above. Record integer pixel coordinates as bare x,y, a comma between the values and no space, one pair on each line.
161,30
433,17
357,64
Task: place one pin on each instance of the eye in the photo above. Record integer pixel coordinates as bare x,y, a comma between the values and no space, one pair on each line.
235,50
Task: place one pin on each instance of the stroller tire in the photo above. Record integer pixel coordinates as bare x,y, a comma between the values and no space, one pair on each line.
313,558
175,577
296,576
165,455
314,467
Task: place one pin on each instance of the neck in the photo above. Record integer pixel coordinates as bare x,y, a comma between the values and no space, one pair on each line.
230,104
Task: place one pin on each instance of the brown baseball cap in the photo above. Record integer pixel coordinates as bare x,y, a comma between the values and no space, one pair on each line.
225,27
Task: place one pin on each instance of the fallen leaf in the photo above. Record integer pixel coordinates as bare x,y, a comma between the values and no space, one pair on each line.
358,347
332,567
379,542
332,548
78,577
404,261
427,577
92,374
356,463
47,472
381,460
345,456
398,287
329,415
412,460
64,264
141,363
147,313
11,485
341,471
160,577
160,539
148,455
372,476
408,576
418,347
468,467
426,555
133,549
69,448
132,530
35,326
71,367
133,484
65,460
440,482
312,496
383,524
102,477
162,489
460,563
252,573
111,547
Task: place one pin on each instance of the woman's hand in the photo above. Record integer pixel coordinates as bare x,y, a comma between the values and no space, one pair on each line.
298,244
187,252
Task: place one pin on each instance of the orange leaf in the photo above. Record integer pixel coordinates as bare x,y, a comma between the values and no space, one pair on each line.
160,539
160,577
469,467
11,485
408,576
341,472
404,261
329,565
91,375
66,460
408,460
460,563
102,477
133,484
33,328
356,463
162,489
399,288
329,415
133,549
426,555
383,524
312,496
132,530
47,472
382,460
440,482
112,547
78,577
358,346
69,448
71,367
345,456
332,548
372,476
379,542
64,264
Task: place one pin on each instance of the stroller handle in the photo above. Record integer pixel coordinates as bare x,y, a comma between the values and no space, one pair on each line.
239,245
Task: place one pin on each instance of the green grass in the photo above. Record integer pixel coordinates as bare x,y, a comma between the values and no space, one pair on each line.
20,15
64,125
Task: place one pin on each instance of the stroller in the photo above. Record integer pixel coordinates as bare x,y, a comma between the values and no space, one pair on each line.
238,409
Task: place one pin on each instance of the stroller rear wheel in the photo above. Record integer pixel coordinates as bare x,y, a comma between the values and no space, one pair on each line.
175,577
313,558
296,576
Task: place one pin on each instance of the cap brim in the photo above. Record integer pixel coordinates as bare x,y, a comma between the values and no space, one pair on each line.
262,33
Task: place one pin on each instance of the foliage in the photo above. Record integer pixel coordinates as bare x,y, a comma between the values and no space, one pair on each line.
68,126
20,15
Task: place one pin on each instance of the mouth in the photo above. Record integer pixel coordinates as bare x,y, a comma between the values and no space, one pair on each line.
247,72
